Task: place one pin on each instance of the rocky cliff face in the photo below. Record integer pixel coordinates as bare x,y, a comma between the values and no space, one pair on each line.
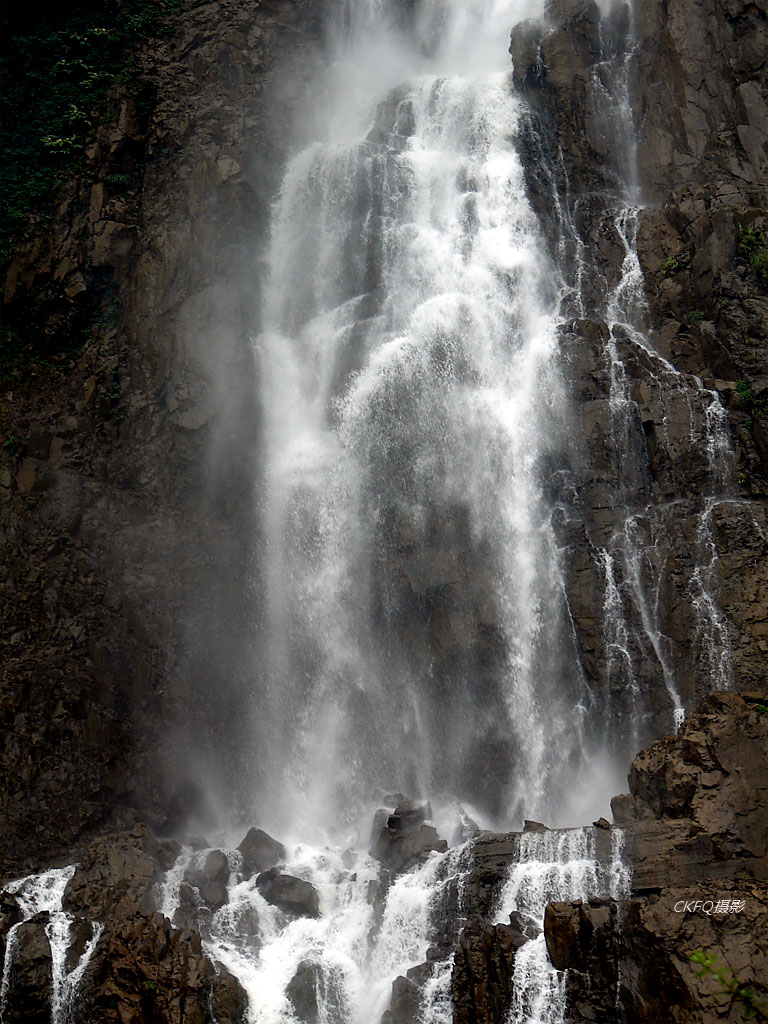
700,167
696,838
112,515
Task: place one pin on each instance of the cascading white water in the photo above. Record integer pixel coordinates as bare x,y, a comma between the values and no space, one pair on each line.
43,894
411,397
633,546
412,406
553,866
353,950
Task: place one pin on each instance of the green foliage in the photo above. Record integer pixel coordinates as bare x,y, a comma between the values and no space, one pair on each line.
753,403
754,1004
753,246
696,316
150,985
762,709
670,266
54,73
117,180
11,444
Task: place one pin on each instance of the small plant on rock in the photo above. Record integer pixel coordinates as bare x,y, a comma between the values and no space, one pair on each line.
753,246
755,1005
670,266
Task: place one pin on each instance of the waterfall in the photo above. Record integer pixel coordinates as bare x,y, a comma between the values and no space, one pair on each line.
351,952
413,410
418,445
43,894
553,866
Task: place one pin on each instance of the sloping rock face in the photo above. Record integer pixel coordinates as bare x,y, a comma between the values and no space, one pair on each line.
113,551
697,841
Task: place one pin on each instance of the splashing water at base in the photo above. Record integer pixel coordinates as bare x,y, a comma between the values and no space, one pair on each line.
554,866
364,938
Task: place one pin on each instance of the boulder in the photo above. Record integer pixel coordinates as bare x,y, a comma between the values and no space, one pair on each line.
118,873
152,971
523,926
481,981
211,879
260,852
188,910
302,992
293,895
406,1002
405,839
534,826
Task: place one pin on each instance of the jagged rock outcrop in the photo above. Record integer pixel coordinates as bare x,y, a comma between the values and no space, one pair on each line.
260,852
29,988
648,504
481,981
145,969
141,967
404,838
696,839
636,955
117,875
709,782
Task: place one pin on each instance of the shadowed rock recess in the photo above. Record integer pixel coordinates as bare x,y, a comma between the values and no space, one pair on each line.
135,694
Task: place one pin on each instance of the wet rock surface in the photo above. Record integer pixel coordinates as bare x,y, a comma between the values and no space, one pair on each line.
295,896
702,303
109,538
404,839
211,879
302,992
142,968
708,785
260,852
481,981
118,874
636,955
145,969
688,838
29,985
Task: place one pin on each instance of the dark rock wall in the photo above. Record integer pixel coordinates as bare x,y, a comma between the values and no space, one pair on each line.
129,473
